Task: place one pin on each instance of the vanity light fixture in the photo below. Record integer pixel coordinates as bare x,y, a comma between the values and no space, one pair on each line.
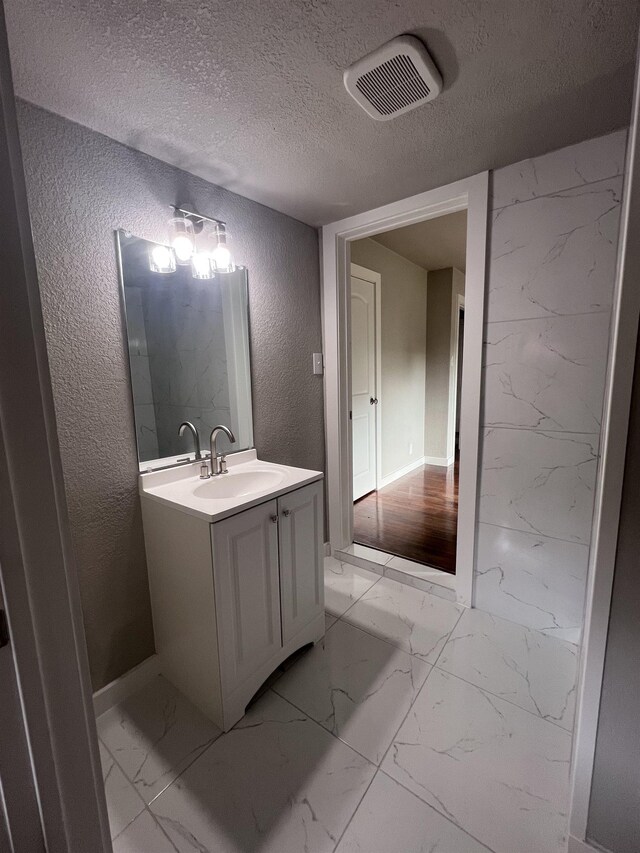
162,259
201,241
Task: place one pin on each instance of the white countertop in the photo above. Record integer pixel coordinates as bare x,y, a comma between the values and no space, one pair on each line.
182,488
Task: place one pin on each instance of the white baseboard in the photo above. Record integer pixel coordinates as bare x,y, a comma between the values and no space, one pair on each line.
445,461
117,690
391,478
577,846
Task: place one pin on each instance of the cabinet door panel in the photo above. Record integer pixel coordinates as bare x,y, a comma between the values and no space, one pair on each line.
245,567
301,558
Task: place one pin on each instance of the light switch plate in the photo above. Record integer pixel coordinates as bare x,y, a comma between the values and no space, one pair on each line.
318,364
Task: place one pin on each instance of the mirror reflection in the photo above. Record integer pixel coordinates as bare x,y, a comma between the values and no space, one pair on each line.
188,342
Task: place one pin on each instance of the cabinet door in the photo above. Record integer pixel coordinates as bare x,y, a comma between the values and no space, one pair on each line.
301,558
245,568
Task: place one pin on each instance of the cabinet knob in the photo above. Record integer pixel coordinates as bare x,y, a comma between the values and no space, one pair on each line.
286,513
274,518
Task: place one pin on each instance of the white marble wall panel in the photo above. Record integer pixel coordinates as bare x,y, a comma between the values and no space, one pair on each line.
539,482
533,580
555,254
584,163
547,373
553,230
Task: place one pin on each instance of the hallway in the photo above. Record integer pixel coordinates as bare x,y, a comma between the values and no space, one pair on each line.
415,517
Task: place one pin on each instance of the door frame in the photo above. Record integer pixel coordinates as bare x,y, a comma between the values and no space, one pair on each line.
609,483
375,279
470,194
37,571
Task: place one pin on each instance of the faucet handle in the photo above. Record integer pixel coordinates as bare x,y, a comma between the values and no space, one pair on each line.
223,465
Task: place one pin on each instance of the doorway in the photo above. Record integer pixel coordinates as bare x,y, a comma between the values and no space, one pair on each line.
338,238
406,296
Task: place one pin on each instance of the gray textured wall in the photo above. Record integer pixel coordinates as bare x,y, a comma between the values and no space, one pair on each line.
614,816
81,187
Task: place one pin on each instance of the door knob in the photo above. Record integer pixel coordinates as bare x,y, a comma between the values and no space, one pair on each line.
274,518
286,513
373,401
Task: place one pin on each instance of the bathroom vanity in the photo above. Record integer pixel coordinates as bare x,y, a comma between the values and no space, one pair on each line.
236,575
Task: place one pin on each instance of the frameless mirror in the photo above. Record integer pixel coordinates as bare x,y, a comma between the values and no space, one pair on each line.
188,341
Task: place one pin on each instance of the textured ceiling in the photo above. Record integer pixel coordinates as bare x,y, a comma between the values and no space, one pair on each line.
248,94
433,244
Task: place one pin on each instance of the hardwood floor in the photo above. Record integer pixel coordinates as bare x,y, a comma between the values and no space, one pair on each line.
416,517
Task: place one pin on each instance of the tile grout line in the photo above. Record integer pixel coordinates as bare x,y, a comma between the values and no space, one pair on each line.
428,805
348,824
325,730
424,683
489,425
554,193
533,532
130,783
550,316
508,701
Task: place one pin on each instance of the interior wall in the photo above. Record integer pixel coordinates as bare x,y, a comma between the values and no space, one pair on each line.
614,817
404,312
443,287
553,231
82,186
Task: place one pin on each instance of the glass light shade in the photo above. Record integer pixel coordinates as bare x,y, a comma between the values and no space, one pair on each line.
182,238
221,255
201,266
162,259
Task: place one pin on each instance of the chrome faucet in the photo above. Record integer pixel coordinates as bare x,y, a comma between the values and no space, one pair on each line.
196,437
218,460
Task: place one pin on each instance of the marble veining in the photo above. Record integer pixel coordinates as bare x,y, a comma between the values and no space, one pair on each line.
554,255
547,373
415,621
539,482
356,686
356,746
531,579
154,735
576,165
123,801
492,768
390,818
525,667
344,584
277,782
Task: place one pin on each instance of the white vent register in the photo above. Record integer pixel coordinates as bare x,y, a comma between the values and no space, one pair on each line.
394,79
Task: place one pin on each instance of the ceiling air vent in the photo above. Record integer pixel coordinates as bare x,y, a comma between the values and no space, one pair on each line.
394,79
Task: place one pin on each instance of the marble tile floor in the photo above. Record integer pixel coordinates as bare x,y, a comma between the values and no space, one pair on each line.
417,725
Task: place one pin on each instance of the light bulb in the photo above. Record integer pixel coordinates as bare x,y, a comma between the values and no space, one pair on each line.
182,238
162,259
222,257
201,266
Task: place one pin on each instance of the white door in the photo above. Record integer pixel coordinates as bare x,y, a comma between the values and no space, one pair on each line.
363,385
247,587
301,558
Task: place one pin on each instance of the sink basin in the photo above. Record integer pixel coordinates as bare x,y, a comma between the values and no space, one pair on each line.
238,485
249,482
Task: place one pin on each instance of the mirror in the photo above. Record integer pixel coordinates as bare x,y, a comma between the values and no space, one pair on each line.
188,342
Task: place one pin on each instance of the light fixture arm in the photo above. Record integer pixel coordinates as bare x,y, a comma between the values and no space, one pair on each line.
197,219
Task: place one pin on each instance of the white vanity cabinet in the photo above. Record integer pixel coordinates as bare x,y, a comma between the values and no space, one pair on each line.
233,598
